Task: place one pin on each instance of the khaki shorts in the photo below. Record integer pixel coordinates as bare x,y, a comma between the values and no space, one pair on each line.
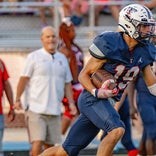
46,128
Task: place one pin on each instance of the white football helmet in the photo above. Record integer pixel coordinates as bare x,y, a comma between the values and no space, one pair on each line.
132,17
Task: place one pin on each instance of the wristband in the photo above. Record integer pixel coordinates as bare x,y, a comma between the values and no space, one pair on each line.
11,107
94,92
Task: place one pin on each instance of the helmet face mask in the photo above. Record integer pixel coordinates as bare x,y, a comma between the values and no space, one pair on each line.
137,21
144,32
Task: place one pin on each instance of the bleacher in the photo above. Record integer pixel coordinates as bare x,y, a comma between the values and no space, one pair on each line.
20,24
23,31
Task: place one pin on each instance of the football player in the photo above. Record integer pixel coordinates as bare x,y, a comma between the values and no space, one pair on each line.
124,54
146,104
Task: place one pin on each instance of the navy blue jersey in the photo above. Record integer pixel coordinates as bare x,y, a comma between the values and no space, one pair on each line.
125,65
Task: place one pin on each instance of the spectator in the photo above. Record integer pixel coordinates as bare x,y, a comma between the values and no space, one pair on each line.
73,10
80,6
46,76
71,50
43,12
147,108
75,56
123,54
6,87
113,8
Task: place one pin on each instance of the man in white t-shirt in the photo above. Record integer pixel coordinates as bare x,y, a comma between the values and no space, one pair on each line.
46,78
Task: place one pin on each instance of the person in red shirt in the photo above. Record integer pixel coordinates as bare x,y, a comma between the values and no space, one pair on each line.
5,86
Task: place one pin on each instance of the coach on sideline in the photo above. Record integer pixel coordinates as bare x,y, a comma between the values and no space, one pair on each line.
46,78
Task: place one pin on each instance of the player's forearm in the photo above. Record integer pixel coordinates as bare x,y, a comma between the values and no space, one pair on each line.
149,76
150,79
119,103
131,93
91,66
86,82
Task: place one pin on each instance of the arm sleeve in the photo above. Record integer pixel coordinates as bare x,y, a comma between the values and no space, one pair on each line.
28,67
101,46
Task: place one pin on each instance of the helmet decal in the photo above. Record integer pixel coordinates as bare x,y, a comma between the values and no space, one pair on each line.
130,10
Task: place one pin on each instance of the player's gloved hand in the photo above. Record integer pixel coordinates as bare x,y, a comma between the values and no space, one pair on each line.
106,91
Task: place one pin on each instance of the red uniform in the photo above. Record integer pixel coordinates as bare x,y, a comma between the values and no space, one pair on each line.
3,77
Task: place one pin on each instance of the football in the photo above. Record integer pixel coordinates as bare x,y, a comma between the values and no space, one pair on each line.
100,76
